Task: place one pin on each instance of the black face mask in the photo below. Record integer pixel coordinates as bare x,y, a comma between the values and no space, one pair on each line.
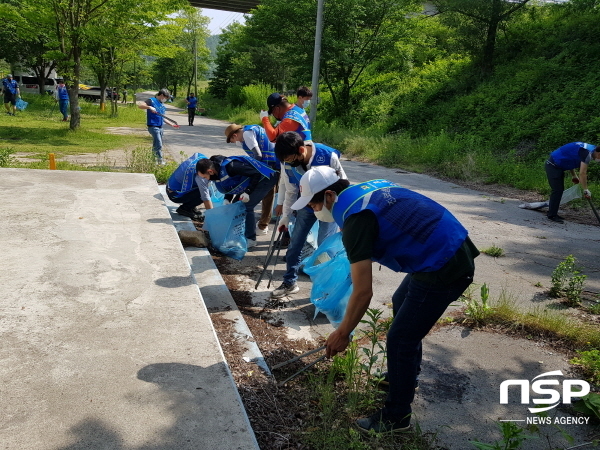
214,177
295,163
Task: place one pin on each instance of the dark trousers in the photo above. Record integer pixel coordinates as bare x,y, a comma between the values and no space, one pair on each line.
417,307
260,191
188,201
556,179
191,115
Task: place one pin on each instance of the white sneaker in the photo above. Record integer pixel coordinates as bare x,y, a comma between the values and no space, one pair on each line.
261,231
251,243
285,289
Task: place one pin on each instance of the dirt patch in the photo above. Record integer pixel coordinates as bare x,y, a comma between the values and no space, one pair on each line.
126,130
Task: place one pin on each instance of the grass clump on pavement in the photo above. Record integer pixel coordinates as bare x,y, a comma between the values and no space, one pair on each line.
494,251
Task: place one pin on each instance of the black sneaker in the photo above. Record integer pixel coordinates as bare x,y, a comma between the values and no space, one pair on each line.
556,219
378,424
284,290
186,212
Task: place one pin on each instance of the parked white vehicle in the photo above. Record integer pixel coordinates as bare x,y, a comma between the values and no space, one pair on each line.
28,83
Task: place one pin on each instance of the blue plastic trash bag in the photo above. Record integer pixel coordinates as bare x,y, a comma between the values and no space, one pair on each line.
329,270
216,197
21,104
226,226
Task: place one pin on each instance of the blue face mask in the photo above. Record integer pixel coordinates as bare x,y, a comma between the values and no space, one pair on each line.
306,104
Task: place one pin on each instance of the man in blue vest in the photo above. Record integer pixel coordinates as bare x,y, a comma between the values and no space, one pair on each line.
154,106
291,117
254,141
243,176
192,102
406,232
297,157
62,96
187,188
303,97
11,94
576,155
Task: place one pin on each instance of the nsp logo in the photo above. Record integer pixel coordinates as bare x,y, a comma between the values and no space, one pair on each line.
538,387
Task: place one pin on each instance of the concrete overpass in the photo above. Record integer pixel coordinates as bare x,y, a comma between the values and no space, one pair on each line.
240,6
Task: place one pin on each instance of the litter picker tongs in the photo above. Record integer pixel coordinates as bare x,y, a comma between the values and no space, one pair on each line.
296,358
274,245
168,120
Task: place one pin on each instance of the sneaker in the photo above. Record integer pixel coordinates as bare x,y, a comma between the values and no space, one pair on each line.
285,289
376,423
385,382
556,219
186,212
251,243
285,240
260,230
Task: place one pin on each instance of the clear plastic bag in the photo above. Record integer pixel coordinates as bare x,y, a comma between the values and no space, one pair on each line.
329,270
226,226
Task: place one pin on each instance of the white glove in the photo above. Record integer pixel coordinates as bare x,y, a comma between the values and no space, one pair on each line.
244,198
263,114
587,193
226,202
152,108
283,223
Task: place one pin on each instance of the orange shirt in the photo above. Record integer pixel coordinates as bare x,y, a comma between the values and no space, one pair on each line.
284,125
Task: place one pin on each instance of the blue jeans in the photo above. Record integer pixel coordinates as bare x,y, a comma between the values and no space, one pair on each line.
157,136
63,105
305,219
262,189
417,307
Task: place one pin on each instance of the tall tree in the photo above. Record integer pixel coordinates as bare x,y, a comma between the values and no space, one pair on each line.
355,34
485,18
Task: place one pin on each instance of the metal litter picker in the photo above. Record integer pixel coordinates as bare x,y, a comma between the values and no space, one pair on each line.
290,361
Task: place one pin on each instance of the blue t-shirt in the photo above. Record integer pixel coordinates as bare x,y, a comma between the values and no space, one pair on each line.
193,101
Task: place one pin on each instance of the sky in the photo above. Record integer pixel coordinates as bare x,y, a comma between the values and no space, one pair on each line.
220,19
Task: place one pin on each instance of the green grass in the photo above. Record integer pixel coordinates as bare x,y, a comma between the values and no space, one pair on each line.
494,251
39,130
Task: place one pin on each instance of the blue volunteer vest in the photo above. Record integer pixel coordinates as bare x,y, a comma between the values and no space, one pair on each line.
154,120
183,179
298,114
567,156
237,184
63,93
416,234
266,147
11,85
322,157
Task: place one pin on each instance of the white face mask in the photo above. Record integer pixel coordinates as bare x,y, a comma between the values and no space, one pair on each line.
306,104
325,215
238,143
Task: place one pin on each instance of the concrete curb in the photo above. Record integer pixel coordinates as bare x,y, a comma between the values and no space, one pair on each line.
216,295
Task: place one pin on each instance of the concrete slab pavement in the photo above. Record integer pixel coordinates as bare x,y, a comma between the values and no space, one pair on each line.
106,342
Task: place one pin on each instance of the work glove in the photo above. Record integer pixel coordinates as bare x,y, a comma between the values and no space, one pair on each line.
283,223
226,202
153,109
575,180
244,198
587,193
263,114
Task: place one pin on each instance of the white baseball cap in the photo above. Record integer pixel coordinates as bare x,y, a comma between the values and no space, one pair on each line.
314,181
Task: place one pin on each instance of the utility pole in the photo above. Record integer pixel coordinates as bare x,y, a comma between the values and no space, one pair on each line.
196,62
317,61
